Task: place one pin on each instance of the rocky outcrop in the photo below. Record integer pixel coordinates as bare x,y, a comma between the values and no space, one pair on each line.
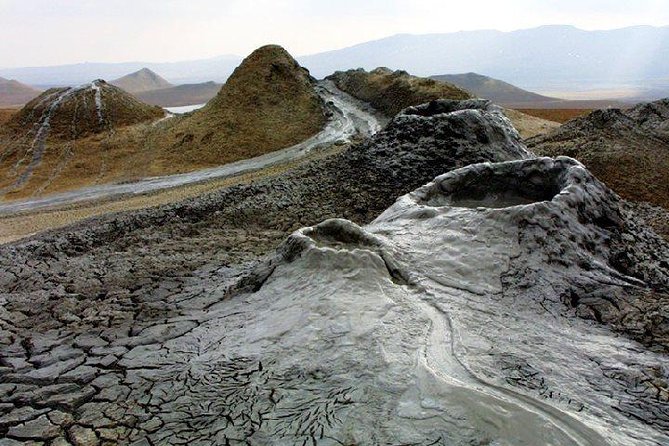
627,149
482,308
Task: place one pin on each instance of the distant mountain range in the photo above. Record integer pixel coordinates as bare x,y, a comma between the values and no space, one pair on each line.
543,59
140,81
215,69
548,58
15,93
509,95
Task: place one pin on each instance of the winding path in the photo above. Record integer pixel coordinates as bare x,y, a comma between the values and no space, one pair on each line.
349,118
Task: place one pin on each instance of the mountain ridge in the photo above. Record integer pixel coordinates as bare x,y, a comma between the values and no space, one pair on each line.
504,55
509,95
529,58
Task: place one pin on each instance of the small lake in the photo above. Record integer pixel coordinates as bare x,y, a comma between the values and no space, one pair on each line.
184,108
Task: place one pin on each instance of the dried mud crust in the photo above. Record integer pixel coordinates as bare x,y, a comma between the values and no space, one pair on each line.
92,315
82,305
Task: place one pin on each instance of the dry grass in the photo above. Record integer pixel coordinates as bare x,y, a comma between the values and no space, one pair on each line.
95,159
6,114
555,114
392,91
627,149
529,126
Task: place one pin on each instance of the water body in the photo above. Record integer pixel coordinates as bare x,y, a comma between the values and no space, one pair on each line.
184,108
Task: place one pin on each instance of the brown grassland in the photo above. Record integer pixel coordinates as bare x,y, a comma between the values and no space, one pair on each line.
6,114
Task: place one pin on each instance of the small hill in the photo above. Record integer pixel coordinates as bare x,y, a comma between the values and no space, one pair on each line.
392,91
13,93
141,81
61,139
267,104
627,149
180,95
78,111
510,96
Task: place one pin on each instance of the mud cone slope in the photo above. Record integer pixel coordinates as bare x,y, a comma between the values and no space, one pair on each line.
268,103
79,111
391,91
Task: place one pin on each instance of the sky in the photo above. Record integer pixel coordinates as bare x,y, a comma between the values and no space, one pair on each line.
54,32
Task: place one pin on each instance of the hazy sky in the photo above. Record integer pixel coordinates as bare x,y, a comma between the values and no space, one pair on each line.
49,32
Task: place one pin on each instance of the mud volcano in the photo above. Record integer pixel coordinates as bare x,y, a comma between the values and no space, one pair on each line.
533,317
458,325
57,121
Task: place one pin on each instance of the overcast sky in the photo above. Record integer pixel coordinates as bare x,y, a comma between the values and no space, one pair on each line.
52,32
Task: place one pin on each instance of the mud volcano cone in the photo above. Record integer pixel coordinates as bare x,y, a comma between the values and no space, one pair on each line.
80,111
268,103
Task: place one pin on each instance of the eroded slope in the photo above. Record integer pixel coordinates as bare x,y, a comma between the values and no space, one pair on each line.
62,137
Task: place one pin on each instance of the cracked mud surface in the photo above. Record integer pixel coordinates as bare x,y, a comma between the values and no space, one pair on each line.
169,326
